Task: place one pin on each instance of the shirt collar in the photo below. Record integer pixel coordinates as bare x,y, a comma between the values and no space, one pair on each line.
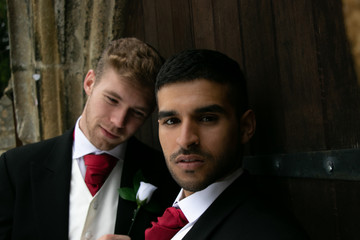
82,146
196,204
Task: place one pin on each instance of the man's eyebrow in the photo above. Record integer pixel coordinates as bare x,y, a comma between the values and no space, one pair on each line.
113,93
164,114
118,97
206,109
211,108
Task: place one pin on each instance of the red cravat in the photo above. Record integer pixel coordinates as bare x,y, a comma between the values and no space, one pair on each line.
167,225
98,168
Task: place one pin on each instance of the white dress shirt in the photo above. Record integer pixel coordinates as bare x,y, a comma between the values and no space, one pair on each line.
196,204
91,217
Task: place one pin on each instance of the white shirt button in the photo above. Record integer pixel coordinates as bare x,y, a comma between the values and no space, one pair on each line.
88,235
95,205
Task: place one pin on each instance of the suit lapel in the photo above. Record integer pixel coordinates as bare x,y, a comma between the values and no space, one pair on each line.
51,186
138,156
126,208
218,211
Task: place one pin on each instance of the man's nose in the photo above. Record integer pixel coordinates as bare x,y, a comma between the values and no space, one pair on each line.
119,118
188,135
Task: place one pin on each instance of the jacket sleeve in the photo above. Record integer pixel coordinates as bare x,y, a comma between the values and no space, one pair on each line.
6,200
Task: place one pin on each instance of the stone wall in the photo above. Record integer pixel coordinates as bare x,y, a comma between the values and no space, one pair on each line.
54,43
7,124
351,9
52,46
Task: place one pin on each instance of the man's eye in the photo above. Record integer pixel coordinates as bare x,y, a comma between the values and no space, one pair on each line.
139,114
111,100
171,121
208,118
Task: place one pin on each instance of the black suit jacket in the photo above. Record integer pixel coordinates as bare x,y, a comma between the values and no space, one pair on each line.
239,214
35,186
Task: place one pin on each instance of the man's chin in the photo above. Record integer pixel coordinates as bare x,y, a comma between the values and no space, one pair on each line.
192,185
105,145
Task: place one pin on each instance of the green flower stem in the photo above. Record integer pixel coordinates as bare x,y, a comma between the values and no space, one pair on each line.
133,219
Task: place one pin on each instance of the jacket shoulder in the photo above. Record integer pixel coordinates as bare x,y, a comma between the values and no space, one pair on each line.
36,151
239,213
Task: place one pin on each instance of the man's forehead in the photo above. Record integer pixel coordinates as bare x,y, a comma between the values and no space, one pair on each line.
213,108
195,94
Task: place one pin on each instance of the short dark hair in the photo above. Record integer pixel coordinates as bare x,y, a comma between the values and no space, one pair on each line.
211,65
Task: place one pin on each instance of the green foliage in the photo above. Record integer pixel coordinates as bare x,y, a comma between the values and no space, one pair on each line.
130,193
4,48
127,194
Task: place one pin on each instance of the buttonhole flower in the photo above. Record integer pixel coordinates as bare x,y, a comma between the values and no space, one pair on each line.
144,193
141,193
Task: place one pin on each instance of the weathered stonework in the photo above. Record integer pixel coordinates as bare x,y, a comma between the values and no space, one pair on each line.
351,9
22,70
7,125
52,46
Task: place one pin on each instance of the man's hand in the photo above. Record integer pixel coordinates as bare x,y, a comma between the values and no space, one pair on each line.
114,237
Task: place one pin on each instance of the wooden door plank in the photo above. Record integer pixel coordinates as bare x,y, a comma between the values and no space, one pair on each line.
134,24
314,204
227,29
150,23
348,195
182,24
298,68
203,23
340,89
165,27
261,69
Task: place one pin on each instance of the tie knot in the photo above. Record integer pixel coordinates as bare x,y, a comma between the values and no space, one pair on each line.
98,168
101,161
173,218
167,225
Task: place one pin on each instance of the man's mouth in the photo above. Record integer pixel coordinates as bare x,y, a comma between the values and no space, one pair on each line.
109,134
189,162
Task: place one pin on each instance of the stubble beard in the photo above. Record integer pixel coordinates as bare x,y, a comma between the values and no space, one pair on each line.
218,172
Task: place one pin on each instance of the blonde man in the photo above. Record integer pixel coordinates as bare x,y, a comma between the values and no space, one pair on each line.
45,191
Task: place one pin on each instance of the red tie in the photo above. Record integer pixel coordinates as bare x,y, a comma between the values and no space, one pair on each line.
167,225
98,168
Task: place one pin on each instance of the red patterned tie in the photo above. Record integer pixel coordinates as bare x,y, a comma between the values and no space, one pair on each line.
167,225
98,168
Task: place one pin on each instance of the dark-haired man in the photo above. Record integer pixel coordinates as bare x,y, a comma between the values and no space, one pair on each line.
204,121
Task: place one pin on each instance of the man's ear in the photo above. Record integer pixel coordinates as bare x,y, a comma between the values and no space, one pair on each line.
89,82
247,126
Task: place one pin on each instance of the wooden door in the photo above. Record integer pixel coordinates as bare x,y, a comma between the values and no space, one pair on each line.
301,84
